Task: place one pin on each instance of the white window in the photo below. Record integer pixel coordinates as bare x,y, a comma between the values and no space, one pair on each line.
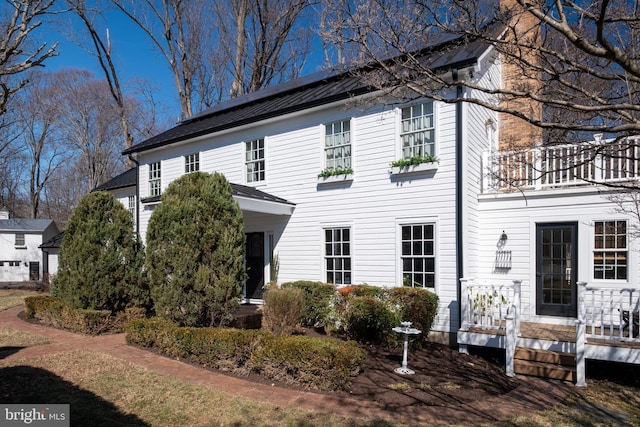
154,179
418,131
131,205
254,160
610,250
418,255
337,145
337,255
192,163
20,239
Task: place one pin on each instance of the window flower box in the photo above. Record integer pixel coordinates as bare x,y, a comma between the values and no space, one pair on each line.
409,169
414,164
347,177
331,175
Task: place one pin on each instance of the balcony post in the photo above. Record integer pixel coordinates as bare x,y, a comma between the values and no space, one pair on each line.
581,331
465,310
517,289
510,341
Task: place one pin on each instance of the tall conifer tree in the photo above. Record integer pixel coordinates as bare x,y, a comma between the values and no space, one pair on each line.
195,251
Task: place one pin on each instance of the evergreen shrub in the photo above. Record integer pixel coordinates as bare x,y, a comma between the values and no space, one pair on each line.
369,320
55,312
101,261
317,301
418,306
318,363
195,251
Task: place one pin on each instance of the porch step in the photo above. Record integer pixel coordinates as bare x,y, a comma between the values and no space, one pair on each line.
545,364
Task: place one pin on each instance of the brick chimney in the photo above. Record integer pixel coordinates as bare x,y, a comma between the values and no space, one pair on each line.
516,133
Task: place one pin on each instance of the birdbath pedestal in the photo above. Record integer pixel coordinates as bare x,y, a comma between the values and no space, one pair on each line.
406,330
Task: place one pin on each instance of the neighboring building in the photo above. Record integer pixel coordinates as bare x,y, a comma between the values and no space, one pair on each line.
51,251
450,226
21,259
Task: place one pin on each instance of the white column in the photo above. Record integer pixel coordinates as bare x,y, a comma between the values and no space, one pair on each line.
510,341
581,331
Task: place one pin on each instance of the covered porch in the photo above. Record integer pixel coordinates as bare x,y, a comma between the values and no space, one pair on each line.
606,328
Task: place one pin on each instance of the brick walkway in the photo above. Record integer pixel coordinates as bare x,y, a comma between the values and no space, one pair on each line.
539,394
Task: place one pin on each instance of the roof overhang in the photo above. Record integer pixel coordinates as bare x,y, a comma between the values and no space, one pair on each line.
264,206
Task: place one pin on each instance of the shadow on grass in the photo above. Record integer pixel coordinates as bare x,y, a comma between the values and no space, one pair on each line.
7,351
26,384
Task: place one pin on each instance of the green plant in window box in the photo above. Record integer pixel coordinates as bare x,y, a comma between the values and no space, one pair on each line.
413,161
335,172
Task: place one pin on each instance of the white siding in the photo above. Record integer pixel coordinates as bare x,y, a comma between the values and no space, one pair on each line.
518,214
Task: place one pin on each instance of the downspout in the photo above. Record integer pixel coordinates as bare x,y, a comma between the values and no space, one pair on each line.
459,195
134,160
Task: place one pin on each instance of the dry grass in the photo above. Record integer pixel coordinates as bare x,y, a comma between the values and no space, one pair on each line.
14,338
103,390
12,297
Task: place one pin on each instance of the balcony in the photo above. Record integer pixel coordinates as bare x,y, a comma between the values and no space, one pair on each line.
610,162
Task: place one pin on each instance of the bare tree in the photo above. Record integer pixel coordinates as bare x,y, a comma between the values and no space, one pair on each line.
100,47
176,28
570,69
266,41
240,46
90,125
586,70
19,20
38,119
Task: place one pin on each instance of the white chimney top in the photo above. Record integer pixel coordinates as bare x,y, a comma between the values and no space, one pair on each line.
4,213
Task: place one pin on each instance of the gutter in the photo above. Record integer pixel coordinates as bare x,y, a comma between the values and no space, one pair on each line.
459,195
133,158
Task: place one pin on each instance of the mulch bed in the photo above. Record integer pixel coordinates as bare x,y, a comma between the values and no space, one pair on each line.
442,376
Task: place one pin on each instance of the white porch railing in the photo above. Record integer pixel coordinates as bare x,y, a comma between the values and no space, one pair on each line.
597,162
485,304
609,313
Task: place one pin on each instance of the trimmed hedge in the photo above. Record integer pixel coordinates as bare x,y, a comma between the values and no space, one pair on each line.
315,363
55,312
321,363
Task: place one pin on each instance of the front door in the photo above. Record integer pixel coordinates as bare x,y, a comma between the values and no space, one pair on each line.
34,271
254,257
556,269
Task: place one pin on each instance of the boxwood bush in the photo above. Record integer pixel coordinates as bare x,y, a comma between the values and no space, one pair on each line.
319,363
369,320
315,363
55,312
317,301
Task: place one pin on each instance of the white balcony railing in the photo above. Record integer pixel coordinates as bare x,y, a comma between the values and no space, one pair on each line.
597,162
486,304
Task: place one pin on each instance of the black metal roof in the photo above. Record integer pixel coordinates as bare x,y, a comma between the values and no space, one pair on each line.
126,179
445,53
53,242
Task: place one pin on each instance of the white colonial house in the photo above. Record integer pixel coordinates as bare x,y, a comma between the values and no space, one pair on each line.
519,246
21,258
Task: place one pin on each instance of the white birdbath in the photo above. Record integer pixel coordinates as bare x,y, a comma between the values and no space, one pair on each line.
406,330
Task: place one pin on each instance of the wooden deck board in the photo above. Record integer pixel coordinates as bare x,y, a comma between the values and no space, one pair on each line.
560,333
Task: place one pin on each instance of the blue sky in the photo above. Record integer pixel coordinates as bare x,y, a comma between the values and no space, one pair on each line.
135,57
133,54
